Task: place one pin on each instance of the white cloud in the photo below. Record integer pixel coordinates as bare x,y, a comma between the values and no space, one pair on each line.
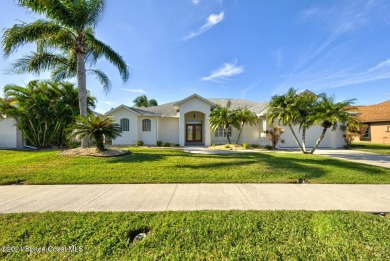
212,20
224,72
243,93
135,90
334,78
195,2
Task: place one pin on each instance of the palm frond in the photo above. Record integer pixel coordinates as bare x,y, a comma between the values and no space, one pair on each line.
99,49
20,34
53,9
102,78
36,62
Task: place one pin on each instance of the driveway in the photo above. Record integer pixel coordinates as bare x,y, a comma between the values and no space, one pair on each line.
357,156
350,155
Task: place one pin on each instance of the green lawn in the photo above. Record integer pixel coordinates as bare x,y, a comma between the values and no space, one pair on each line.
375,148
211,235
175,166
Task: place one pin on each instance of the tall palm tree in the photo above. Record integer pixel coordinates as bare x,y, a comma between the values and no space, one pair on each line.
222,117
329,113
284,109
70,26
243,116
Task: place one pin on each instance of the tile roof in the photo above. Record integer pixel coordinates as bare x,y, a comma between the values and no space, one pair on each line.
374,113
168,109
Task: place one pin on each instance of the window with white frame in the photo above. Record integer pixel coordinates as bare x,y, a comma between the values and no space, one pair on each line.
146,125
221,133
125,124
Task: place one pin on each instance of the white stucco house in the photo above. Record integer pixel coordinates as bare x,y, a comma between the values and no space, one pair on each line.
10,136
186,122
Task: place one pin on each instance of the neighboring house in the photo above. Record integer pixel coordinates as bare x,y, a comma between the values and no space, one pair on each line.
376,119
186,122
10,136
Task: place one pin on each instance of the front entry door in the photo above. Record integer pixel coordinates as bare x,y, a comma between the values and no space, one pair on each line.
194,133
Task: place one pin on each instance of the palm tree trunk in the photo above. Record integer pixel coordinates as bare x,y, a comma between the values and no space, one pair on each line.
319,140
227,134
239,134
82,85
295,137
304,139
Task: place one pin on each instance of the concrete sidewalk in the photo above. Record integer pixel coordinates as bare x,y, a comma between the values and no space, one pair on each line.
163,197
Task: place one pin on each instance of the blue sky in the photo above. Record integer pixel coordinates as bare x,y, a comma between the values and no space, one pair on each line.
237,49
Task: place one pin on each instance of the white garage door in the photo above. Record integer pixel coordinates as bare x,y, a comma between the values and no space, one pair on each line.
312,135
7,134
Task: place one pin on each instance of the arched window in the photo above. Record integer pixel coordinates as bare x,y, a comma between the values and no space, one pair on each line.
125,124
146,125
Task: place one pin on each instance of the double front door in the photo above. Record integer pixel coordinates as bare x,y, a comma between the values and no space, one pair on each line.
194,133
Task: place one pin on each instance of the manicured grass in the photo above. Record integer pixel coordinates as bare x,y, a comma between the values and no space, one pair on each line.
375,148
175,166
211,235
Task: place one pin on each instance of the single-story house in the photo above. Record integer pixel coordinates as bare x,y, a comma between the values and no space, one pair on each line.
376,119
186,122
10,135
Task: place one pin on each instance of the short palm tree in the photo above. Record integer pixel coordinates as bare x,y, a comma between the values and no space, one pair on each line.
243,116
96,127
222,117
329,114
70,28
284,109
143,101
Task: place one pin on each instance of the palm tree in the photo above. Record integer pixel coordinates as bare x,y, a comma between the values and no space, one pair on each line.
42,110
96,127
329,113
284,109
70,26
243,116
222,117
142,101
305,109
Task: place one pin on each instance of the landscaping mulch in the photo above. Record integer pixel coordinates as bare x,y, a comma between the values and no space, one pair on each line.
94,152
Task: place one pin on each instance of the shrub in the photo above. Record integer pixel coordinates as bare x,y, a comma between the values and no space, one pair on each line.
159,143
167,144
96,128
269,147
274,134
245,145
255,146
226,146
140,143
177,145
212,145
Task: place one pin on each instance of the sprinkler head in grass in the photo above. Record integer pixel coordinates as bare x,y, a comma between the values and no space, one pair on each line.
139,237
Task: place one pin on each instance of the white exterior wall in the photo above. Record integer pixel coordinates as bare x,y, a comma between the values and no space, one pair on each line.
148,137
168,130
332,139
128,137
250,135
8,134
195,104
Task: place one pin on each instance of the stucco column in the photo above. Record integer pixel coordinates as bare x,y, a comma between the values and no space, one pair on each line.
207,140
182,128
